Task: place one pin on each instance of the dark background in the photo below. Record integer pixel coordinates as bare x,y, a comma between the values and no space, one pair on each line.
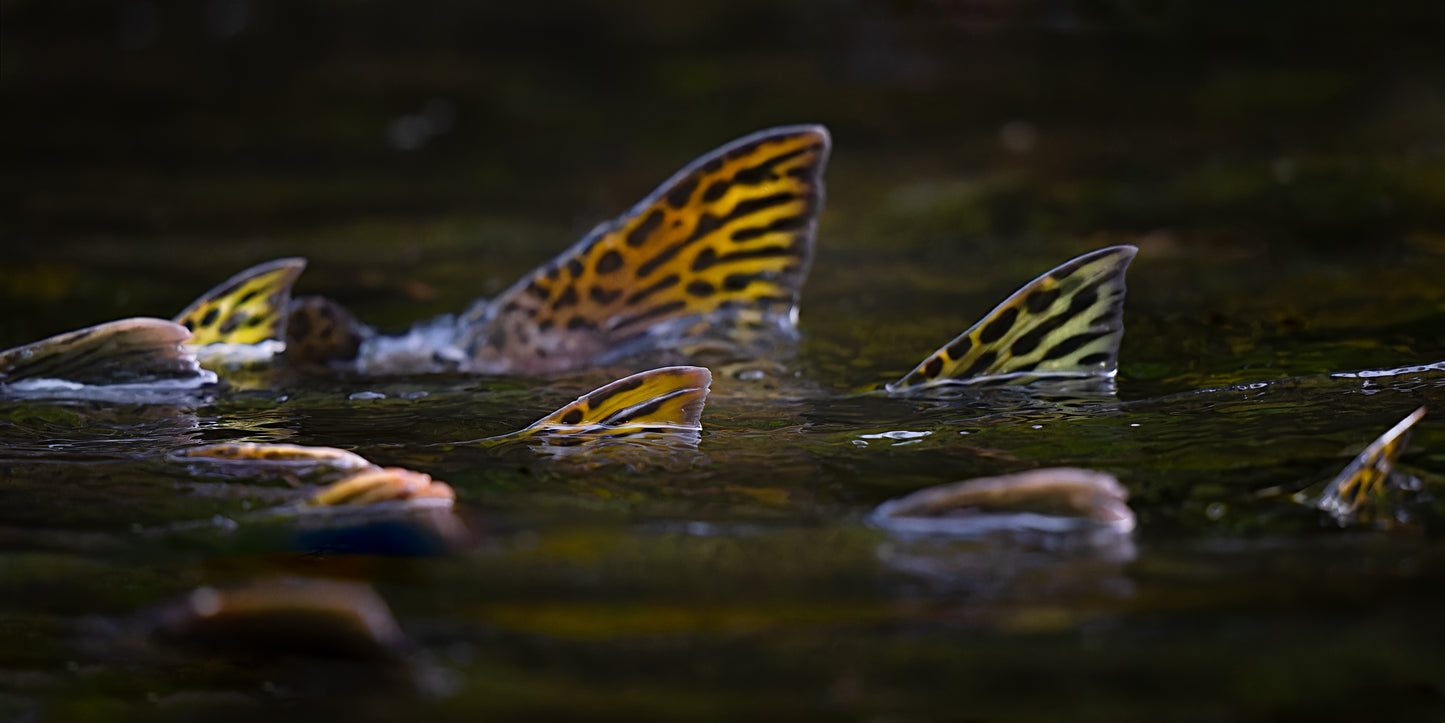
422,154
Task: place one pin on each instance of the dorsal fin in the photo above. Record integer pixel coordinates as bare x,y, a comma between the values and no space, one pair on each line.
127,351
722,245
1364,478
247,308
669,398
1066,323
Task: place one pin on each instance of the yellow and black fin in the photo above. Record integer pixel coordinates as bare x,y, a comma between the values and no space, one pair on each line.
1363,482
718,252
1064,324
247,308
669,398
129,351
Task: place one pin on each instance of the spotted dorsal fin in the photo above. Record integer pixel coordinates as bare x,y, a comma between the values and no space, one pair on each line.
1360,483
128,351
1066,323
247,308
724,244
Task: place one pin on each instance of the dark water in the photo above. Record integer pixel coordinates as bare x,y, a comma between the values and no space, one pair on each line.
1282,171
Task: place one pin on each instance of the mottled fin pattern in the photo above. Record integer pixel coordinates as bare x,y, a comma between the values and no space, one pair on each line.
1066,323
726,242
320,331
247,308
129,351
1363,481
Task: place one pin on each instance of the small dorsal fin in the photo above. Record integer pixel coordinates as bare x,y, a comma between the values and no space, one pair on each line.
1363,480
247,308
127,351
669,397
1066,323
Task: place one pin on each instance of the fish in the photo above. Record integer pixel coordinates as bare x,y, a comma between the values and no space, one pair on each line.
241,318
712,259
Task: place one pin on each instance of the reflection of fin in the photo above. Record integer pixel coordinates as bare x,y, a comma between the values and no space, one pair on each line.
722,245
1066,323
119,352
246,308
1363,481
319,330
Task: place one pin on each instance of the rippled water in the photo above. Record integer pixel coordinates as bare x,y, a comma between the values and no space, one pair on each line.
738,579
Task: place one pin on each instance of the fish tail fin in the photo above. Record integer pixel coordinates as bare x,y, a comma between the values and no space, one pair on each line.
1363,480
119,352
1066,323
716,255
247,308
669,398
320,331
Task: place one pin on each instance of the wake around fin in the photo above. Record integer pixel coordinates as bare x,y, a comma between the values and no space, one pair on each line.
128,351
665,400
247,308
1350,496
1065,324
715,256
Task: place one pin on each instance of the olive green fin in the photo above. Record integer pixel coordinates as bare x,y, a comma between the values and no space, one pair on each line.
1363,482
1065,324
129,351
247,308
